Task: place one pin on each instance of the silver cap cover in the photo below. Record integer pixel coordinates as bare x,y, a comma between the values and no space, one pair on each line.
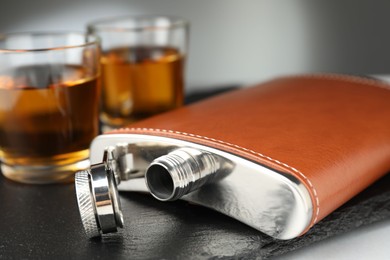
86,204
98,200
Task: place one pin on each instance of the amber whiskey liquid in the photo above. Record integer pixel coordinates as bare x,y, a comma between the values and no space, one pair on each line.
47,122
139,82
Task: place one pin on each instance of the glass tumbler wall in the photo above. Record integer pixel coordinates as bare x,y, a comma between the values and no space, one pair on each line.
142,66
49,94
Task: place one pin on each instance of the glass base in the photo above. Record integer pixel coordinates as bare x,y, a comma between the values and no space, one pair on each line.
110,123
43,174
107,128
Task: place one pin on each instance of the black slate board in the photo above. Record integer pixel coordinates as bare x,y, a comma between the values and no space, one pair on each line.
43,222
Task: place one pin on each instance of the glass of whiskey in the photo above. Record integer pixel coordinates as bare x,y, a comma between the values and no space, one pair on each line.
142,61
49,104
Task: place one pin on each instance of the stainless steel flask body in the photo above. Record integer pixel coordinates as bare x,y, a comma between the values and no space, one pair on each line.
273,202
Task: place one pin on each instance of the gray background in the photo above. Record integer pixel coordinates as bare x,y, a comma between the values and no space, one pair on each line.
241,41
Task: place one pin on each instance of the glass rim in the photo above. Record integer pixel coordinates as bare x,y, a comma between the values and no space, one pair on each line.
95,40
99,24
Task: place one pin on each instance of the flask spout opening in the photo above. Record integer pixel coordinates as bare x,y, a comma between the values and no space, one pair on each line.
160,182
180,172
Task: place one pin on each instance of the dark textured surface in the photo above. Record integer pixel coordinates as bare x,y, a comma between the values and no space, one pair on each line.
43,222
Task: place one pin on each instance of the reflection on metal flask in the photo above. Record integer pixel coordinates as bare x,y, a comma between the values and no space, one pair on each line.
180,172
170,173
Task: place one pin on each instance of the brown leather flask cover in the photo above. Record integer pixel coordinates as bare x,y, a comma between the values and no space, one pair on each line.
331,132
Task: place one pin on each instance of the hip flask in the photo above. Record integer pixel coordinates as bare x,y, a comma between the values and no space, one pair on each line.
279,156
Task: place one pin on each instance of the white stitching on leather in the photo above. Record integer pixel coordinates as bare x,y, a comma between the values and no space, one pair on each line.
241,148
347,78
